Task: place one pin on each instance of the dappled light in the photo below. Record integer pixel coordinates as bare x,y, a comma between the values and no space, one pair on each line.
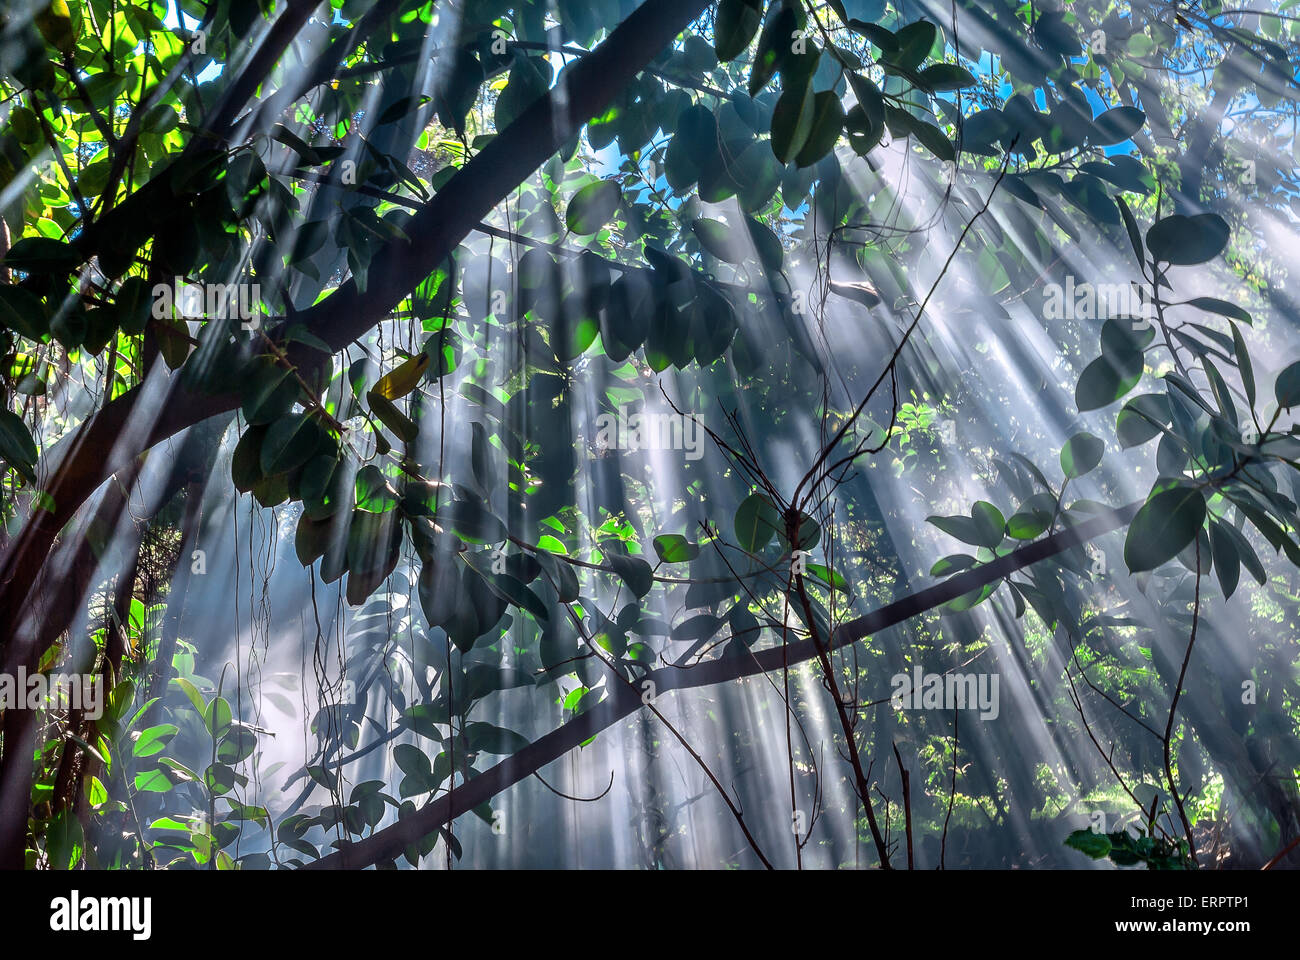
649,436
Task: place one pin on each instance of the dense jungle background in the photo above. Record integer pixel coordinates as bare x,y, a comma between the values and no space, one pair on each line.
496,433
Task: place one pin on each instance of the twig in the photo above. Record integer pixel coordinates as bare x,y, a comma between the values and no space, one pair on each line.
952,795
1173,710
1280,854
561,793
907,805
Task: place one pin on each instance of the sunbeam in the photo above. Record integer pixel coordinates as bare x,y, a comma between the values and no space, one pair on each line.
661,435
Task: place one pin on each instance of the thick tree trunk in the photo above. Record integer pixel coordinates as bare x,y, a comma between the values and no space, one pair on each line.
60,595
58,602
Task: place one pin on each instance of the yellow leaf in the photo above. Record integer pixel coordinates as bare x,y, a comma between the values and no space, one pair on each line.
401,380
55,24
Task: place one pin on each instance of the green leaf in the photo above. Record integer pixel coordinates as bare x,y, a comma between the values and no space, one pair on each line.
237,745
153,781
373,491
561,575
756,521
1124,338
160,118
402,426
783,21
734,27
529,79
831,578
792,121
1244,366
963,528
968,600
1116,125
693,149
1141,418
1245,553
1033,517
221,778
592,206
1130,225
674,548
1095,845
1168,521
1184,240
946,76
766,244
192,693
267,393
719,239
1081,454
1227,560
914,43
65,842
757,174
42,255
989,523
824,132
472,521
1222,307
23,313
217,718
933,139
153,740
1219,388
1101,384
633,571
952,563
1287,387
700,627
290,442
96,792
489,738
869,98
882,37
412,760
513,591
17,448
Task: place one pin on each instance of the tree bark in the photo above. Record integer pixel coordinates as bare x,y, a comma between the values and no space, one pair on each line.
53,606
122,430
163,406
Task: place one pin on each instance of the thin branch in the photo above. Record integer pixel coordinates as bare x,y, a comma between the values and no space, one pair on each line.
1173,711
848,424
561,793
392,840
907,805
952,795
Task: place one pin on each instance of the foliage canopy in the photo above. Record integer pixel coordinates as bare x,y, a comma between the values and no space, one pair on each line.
395,279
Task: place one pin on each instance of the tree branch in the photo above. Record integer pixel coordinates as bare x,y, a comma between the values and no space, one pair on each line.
389,842
118,433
